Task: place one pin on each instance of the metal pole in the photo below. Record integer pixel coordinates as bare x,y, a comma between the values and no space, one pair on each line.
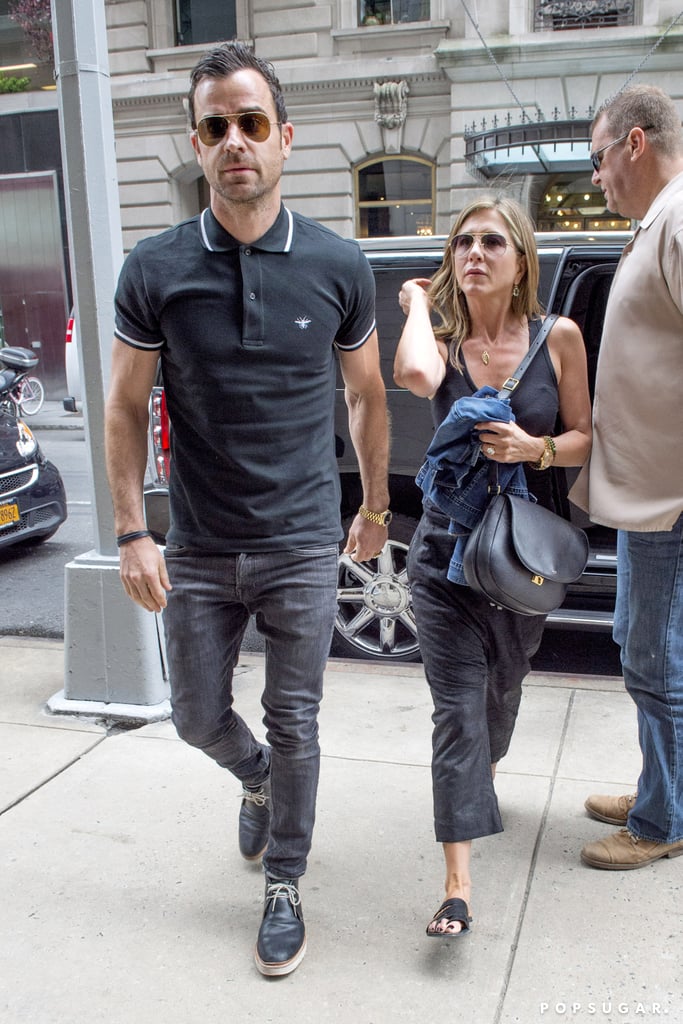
113,649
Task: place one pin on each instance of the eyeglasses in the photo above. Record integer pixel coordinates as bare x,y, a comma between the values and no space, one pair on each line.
596,157
254,125
491,242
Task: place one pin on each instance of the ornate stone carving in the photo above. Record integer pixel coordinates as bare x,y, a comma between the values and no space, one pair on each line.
391,103
582,8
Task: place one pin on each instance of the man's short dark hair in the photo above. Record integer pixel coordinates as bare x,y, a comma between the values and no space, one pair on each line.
645,106
225,60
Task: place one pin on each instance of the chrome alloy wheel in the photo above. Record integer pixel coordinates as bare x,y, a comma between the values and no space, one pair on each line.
375,618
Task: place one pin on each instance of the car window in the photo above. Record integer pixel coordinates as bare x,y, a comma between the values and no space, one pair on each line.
390,317
585,302
547,268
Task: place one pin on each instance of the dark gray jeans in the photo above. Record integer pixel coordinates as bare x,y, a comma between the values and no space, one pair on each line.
293,595
475,658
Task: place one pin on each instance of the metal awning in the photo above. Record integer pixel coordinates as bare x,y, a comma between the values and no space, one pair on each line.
545,147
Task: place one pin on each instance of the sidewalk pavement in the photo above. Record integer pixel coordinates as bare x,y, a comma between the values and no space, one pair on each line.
53,416
124,897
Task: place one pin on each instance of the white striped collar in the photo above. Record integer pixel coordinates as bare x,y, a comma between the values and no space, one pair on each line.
278,238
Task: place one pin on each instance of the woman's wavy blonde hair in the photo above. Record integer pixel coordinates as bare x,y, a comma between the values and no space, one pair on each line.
450,303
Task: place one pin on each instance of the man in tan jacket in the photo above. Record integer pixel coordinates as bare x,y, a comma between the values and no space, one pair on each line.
633,480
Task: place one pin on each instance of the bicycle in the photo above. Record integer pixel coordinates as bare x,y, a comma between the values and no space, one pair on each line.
22,394
28,394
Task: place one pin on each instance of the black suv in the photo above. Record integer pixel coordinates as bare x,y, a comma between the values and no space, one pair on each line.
375,619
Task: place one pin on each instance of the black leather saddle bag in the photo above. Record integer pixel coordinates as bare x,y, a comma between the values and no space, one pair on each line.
523,557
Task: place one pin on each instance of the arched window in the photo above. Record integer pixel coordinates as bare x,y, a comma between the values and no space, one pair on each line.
395,196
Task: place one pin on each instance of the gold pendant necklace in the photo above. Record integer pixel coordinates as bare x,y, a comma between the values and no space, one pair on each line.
485,358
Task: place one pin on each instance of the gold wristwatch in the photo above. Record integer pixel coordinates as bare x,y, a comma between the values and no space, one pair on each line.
379,518
547,456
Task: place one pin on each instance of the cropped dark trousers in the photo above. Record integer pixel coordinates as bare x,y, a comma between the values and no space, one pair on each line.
475,658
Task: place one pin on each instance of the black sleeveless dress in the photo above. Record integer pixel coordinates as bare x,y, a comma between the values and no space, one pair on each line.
475,655
535,404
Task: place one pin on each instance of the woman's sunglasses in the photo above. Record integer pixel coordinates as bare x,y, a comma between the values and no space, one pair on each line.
254,125
491,242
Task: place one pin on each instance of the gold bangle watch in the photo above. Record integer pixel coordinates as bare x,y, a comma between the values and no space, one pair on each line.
547,456
378,518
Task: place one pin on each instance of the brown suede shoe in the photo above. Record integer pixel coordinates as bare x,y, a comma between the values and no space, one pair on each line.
622,852
612,809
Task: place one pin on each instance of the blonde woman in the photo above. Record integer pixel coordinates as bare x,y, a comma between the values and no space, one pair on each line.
476,655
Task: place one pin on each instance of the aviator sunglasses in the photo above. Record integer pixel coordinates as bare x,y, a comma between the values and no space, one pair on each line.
253,124
491,242
596,156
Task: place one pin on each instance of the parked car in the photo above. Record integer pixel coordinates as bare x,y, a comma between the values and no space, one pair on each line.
375,619
32,496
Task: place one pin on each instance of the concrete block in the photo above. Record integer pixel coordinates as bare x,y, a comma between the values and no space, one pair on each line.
32,755
126,13
316,18
286,47
580,924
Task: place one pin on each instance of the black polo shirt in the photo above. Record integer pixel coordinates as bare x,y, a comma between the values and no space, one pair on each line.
246,335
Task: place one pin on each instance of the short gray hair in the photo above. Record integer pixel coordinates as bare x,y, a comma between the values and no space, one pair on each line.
644,106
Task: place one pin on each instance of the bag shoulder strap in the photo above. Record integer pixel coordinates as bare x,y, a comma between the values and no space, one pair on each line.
513,382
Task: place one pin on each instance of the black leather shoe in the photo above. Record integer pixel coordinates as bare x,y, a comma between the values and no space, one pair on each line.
281,942
254,824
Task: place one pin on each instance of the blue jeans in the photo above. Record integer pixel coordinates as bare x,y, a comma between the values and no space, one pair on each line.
648,626
293,596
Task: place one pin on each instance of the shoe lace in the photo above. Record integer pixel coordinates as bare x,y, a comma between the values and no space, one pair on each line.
258,797
283,890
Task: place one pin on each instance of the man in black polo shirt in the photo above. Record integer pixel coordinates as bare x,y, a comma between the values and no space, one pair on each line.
246,304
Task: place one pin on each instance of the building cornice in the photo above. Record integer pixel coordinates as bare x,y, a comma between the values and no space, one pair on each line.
545,54
364,84
134,101
303,84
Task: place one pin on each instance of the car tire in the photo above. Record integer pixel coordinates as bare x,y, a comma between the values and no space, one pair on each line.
375,620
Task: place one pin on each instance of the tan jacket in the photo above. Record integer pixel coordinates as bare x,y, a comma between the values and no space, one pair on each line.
633,479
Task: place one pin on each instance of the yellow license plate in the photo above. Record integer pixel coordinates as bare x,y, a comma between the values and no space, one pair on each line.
9,514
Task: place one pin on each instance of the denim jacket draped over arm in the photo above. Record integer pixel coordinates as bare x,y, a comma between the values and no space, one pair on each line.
454,477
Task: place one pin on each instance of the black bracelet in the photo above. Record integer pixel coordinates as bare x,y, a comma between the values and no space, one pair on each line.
125,538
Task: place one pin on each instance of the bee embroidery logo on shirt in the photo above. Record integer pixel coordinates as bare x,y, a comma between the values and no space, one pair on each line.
302,322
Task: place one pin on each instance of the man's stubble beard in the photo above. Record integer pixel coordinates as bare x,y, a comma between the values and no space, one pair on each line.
256,196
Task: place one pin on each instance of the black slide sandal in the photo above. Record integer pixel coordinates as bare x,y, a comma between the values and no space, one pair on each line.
450,910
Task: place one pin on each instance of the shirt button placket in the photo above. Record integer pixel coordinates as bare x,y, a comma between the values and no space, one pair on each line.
253,311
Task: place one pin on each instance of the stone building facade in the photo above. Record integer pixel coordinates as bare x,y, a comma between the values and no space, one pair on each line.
391,118
402,111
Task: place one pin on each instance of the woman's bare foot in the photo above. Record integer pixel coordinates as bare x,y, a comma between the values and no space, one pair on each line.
453,917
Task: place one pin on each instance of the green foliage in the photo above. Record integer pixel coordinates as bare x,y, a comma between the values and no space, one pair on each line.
9,83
